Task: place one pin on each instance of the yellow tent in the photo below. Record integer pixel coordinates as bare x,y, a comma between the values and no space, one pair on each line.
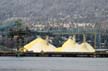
59,49
68,46
86,47
39,45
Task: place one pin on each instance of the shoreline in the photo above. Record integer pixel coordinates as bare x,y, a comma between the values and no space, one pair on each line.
55,54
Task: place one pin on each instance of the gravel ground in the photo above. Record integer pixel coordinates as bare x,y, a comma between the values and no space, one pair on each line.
53,64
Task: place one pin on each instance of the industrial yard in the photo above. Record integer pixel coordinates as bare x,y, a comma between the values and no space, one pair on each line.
53,35
68,39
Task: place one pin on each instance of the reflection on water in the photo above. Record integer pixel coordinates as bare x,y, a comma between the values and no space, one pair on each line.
53,64
26,70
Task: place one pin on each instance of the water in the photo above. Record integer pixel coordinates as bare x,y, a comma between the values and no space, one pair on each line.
53,64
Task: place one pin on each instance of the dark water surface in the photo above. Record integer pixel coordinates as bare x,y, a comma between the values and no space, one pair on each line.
53,64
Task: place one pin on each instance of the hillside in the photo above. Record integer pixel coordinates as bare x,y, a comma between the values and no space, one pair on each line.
67,10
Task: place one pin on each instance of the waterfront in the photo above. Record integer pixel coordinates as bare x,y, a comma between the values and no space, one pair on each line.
53,64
